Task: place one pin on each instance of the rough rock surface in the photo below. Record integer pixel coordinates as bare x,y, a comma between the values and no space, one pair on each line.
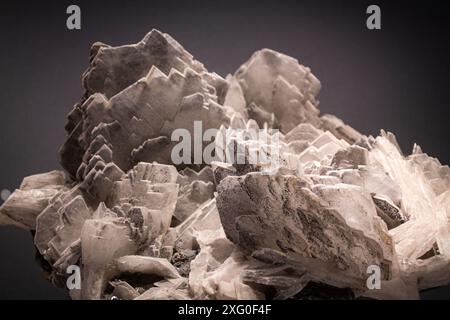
305,210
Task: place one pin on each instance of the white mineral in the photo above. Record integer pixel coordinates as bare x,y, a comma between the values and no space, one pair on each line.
329,204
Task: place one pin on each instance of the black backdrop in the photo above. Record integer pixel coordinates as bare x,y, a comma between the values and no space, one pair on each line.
395,78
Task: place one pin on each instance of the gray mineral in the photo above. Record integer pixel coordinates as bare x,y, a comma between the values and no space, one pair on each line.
306,206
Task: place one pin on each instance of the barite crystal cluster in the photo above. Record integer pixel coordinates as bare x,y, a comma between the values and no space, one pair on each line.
335,206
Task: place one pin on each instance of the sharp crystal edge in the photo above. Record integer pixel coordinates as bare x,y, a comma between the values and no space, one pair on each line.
141,227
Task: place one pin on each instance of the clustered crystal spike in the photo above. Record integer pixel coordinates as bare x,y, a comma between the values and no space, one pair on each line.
335,204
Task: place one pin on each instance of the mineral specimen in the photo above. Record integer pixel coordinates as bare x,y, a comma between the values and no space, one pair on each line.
330,205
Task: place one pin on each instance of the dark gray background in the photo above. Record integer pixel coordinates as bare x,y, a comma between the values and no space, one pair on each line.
395,78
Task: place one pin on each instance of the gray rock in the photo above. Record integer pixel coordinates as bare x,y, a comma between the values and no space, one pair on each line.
305,208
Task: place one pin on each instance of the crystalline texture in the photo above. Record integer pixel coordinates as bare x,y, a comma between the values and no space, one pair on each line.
311,224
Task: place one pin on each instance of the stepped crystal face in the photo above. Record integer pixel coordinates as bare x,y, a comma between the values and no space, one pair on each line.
290,203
